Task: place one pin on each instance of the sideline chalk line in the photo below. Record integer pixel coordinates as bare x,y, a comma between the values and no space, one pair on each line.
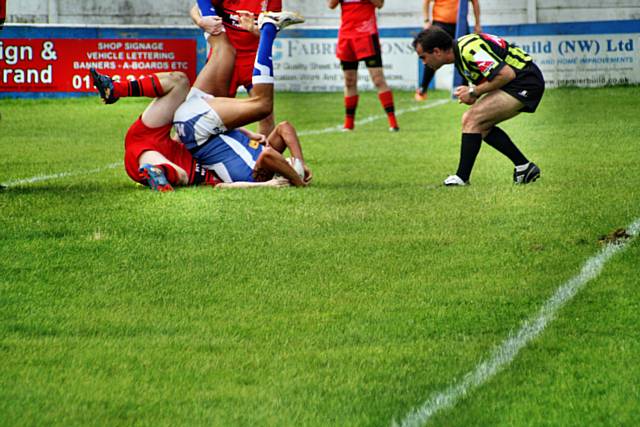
427,105
509,349
41,178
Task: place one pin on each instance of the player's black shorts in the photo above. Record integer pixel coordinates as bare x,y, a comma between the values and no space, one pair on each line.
527,87
449,28
373,61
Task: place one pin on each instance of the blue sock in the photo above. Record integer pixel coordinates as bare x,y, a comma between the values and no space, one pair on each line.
206,8
263,67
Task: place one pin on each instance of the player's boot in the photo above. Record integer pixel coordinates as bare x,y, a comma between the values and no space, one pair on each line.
280,19
104,84
155,178
420,95
530,174
455,181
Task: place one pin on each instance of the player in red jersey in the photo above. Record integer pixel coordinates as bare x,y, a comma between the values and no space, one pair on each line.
151,156
234,45
358,40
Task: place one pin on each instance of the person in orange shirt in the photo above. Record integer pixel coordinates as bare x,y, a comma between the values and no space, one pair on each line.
358,40
443,14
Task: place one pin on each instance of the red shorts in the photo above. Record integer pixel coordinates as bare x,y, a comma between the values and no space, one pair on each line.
141,138
242,73
358,48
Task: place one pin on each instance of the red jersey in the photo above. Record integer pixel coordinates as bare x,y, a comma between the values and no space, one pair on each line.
245,43
141,138
358,19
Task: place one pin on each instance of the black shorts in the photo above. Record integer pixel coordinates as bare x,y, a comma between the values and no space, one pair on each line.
449,28
527,87
373,61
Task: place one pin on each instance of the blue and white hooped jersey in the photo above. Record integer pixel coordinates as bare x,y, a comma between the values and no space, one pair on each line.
231,155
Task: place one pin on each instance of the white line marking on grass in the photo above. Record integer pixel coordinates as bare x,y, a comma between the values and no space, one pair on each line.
41,178
508,350
376,117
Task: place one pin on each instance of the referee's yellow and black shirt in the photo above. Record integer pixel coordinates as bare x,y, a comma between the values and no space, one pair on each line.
479,57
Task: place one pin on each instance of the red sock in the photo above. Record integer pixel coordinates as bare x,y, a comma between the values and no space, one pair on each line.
350,105
203,176
386,99
170,172
148,86
211,179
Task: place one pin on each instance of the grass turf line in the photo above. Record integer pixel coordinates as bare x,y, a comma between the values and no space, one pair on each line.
503,355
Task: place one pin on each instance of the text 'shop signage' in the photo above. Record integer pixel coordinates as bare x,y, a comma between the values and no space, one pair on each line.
62,65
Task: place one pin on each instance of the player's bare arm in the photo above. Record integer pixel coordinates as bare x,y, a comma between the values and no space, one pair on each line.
247,21
211,25
285,136
262,139
377,3
426,14
477,28
504,76
273,183
333,3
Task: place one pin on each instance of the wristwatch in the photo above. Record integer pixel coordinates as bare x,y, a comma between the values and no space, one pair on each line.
472,92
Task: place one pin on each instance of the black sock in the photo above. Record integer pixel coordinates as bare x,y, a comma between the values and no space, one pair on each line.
427,76
469,149
499,140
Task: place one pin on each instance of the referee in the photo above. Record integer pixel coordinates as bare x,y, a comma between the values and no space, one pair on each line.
504,81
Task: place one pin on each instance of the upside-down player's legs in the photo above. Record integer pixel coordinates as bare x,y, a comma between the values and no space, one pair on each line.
202,116
227,113
160,111
236,113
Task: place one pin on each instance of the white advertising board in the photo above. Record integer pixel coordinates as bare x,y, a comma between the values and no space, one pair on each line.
585,54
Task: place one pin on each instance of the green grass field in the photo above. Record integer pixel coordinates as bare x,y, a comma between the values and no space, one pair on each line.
349,303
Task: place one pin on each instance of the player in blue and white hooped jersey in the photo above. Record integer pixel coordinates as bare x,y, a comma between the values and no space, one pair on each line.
232,155
209,126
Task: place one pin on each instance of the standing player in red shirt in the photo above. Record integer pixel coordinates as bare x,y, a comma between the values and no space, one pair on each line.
233,48
358,40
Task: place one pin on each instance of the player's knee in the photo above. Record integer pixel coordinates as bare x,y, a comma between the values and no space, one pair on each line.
264,107
284,125
379,81
350,81
179,79
469,120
